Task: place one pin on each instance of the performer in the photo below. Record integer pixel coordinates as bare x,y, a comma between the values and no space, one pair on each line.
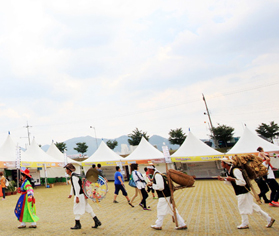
164,206
246,204
272,183
148,178
80,202
25,209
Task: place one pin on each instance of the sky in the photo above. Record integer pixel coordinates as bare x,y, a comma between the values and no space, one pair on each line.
69,65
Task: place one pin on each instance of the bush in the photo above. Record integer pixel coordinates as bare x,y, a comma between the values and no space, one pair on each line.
11,187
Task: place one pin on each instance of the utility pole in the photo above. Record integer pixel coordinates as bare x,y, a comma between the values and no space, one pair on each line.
28,133
95,136
210,122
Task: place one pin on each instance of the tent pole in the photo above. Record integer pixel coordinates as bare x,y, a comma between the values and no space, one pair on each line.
45,175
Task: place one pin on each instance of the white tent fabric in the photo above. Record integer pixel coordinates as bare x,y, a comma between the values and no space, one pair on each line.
39,156
145,151
60,171
55,152
8,153
103,154
249,142
192,146
197,158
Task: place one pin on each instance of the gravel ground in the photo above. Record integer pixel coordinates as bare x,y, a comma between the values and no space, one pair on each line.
209,208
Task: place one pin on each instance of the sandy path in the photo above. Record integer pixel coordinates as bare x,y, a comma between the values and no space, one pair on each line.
209,208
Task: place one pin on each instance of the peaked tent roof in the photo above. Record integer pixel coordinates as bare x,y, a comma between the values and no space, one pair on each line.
38,155
57,154
8,153
103,154
145,151
192,146
249,142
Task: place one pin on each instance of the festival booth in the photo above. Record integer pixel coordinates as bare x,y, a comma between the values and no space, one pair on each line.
250,141
196,158
146,154
59,172
107,158
42,161
11,158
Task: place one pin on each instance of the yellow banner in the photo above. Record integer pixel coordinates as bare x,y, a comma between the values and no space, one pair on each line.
105,163
197,158
41,164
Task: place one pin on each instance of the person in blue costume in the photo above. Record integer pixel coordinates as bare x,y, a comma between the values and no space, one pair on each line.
25,209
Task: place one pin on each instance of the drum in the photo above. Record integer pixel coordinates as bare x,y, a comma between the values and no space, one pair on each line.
181,178
96,191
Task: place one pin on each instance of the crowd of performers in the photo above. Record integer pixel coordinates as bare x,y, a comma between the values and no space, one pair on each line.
152,180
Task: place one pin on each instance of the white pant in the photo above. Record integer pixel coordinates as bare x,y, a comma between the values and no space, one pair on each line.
256,208
82,207
163,208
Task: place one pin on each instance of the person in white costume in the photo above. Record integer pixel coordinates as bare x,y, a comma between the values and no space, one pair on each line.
245,201
80,202
164,206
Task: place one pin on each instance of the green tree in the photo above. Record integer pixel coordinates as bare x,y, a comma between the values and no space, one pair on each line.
136,136
112,144
177,136
268,131
81,148
222,133
61,146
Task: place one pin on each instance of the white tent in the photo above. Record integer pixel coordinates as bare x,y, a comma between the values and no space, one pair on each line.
8,157
193,147
40,158
8,153
107,158
250,141
196,158
60,171
146,153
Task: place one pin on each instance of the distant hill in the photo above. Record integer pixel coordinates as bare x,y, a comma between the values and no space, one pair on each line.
155,140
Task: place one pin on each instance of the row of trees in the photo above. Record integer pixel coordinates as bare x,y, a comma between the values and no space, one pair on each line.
222,133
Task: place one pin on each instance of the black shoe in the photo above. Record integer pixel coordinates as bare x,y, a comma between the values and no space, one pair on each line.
97,222
77,226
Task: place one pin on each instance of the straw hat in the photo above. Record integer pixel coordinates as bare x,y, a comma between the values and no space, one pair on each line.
227,160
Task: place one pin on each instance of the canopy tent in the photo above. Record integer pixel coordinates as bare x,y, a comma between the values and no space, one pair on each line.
60,171
197,158
107,158
103,155
250,141
195,150
40,158
8,158
8,153
145,154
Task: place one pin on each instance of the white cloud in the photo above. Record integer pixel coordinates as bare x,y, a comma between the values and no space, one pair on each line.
118,65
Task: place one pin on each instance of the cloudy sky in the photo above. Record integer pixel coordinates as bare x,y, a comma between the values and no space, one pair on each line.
117,65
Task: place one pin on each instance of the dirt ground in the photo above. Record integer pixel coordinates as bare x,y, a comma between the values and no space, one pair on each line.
209,208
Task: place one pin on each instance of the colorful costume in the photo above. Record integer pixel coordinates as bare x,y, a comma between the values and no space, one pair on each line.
25,209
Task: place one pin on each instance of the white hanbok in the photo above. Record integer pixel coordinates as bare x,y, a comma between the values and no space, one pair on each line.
83,205
246,205
164,206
